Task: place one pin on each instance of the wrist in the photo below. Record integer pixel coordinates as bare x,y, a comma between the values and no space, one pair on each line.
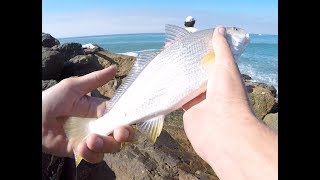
246,145
229,137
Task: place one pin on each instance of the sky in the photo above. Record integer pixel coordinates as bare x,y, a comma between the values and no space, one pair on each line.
74,18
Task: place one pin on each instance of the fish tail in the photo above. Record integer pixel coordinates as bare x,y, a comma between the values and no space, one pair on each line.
77,129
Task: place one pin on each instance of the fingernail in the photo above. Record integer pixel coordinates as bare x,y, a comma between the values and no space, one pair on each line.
99,143
221,30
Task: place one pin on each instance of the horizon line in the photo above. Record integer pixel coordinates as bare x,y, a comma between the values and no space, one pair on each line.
84,36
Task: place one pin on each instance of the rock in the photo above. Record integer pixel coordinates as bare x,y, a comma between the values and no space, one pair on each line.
261,99
49,41
48,83
80,65
123,62
186,176
51,167
166,159
263,85
46,49
275,107
99,171
107,90
70,50
271,120
93,50
246,77
270,88
52,64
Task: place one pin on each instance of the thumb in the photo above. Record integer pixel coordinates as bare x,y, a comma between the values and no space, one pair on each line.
223,54
224,81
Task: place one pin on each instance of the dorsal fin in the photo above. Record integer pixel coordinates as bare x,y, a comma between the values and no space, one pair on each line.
143,59
174,33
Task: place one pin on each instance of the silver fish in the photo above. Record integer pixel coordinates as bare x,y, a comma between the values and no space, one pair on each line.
158,84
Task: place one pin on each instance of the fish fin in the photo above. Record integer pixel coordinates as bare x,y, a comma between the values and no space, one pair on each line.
77,159
152,128
174,33
207,59
77,129
143,59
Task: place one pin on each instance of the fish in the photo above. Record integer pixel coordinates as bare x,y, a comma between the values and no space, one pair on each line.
158,84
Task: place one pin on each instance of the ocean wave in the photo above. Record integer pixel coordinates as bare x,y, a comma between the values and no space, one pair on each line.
136,53
258,76
130,54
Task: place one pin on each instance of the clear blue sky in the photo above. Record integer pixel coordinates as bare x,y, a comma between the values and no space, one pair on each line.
69,18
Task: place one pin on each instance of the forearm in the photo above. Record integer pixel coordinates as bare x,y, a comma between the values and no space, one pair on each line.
248,151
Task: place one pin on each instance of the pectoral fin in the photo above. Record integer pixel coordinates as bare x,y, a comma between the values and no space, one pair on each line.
152,128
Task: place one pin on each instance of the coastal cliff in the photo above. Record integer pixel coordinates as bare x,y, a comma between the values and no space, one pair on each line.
171,157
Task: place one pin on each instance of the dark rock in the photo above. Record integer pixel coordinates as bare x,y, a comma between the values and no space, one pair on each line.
94,50
99,171
166,159
70,50
51,167
275,107
46,49
48,83
52,64
49,41
80,65
55,47
246,77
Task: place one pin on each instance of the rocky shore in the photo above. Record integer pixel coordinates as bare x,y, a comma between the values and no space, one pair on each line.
171,157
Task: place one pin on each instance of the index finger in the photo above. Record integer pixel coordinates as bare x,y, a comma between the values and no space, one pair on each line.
91,81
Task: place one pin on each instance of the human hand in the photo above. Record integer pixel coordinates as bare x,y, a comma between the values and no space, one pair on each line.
224,102
222,127
69,98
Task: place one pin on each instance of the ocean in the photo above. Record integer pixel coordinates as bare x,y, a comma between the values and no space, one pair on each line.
259,61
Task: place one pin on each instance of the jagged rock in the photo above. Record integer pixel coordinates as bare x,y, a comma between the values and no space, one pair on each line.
69,50
80,65
49,41
52,167
271,120
93,50
246,77
52,64
47,84
123,62
271,88
261,99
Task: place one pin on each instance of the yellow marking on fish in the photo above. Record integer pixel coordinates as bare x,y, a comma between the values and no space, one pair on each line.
209,58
